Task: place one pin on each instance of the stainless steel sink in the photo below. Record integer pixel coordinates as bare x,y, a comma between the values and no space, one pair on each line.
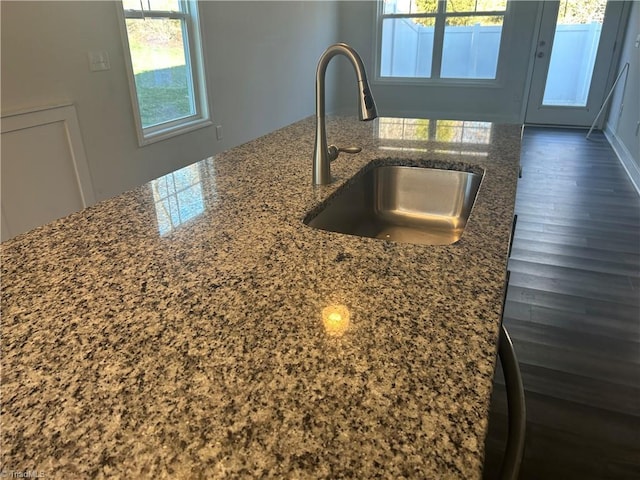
402,204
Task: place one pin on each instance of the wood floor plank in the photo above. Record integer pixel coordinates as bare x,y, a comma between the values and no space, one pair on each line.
581,276
575,214
573,312
586,254
576,304
575,240
601,325
622,233
576,361
610,225
613,349
567,440
610,264
577,291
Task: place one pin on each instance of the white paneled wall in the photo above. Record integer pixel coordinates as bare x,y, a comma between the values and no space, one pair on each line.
260,60
44,170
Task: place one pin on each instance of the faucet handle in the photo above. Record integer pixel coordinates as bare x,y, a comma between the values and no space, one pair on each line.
349,149
335,151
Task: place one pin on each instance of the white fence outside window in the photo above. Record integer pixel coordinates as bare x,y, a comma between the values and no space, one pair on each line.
472,52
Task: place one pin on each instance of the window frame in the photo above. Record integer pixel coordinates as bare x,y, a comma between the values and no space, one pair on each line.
194,57
440,16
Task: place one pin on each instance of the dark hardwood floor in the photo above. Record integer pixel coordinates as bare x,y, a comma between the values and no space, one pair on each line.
573,312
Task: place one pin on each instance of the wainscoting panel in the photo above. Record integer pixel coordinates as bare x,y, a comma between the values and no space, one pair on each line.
44,175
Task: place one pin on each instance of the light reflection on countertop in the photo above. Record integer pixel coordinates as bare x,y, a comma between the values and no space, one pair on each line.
203,353
449,137
336,319
178,196
449,151
447,131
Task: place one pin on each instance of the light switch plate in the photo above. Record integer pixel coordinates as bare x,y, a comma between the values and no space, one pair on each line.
99,61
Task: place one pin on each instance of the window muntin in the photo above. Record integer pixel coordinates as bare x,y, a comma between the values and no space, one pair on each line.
440,39
166,72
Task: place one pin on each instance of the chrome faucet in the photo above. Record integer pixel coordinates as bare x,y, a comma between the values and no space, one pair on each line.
323,155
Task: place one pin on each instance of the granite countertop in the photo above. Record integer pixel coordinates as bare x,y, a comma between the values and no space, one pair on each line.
176,330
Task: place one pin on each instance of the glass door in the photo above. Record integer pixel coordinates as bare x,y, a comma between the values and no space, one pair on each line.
573,61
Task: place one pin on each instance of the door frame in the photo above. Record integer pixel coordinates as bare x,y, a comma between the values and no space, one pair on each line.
572,116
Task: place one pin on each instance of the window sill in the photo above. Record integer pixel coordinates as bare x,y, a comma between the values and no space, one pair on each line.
439,82
172,131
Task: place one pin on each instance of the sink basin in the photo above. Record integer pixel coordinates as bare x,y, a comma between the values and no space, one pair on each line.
402,204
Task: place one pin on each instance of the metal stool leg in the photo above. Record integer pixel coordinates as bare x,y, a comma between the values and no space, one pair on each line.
516,406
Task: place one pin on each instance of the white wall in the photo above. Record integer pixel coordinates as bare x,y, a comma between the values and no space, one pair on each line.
624,113
504,104
260,58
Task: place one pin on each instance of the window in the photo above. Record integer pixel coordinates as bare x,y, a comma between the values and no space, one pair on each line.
166,73
440,39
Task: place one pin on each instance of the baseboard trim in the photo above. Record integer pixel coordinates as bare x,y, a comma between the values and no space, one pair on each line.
625,157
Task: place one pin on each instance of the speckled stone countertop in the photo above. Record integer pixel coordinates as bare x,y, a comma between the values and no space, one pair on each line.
176,330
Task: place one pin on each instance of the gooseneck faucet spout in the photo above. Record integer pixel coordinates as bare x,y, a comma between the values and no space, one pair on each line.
323,154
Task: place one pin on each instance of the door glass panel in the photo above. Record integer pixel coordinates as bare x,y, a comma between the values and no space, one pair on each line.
573,54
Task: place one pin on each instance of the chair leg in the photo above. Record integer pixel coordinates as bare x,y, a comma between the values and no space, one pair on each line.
516,407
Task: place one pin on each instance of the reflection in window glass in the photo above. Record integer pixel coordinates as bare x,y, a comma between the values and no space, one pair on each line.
178,197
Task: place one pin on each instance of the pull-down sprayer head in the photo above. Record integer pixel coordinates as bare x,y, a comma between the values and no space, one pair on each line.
367,110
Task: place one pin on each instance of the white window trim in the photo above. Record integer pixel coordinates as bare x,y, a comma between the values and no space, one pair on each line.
195,63
437,81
